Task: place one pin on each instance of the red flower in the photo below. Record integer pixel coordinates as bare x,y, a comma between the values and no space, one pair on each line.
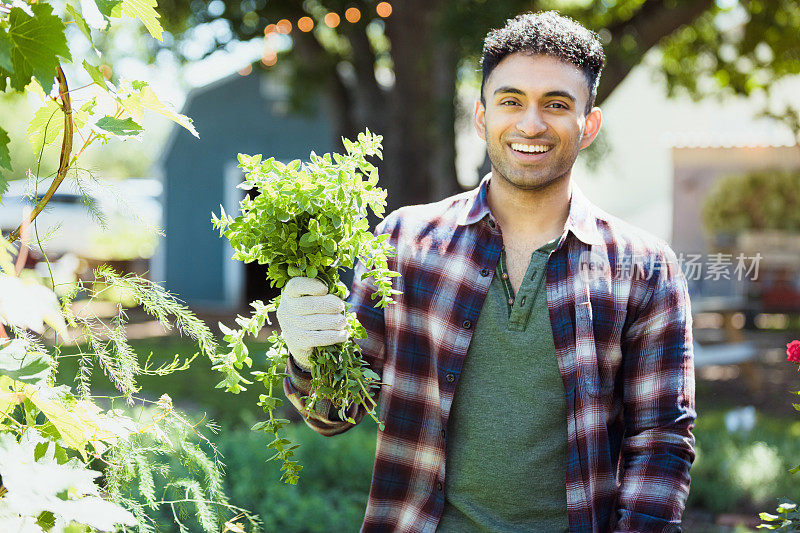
793,352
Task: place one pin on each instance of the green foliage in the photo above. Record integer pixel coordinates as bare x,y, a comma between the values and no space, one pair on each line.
309,220
119,127
20,363
145,11
39,480
765,200
5,156
742,472
136,449
787,519
335,486
36,41
68,464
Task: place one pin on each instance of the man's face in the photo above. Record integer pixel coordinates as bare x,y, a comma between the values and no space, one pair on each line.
533,121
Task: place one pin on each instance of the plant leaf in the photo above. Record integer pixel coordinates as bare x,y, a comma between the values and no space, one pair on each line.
119,127
109,8
5,156
96,75
21,364
5,52
36,44
80,22
46,125
145,11
142,97
40,485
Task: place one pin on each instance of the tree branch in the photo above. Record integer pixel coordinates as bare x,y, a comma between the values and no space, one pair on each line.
66,151
654,21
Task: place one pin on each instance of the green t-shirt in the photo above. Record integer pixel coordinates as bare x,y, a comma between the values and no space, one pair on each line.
506,438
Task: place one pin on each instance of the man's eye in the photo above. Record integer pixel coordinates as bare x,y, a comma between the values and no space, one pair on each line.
508,102
559,104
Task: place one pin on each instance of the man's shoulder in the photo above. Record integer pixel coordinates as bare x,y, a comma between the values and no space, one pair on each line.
630,240
419,218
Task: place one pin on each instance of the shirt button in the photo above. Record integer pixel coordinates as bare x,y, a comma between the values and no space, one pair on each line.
511,301
439,486
467,324
504,276
484,272
450,378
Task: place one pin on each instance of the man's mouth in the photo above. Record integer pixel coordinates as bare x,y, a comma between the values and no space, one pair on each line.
530,148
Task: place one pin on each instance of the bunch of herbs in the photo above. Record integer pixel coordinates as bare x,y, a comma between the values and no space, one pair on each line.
309,219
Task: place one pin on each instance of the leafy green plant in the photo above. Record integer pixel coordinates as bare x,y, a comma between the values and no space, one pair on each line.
764,200
67,463
788,517
47,431
309,219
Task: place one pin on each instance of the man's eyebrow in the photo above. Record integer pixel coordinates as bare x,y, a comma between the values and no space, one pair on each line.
563,94
508,89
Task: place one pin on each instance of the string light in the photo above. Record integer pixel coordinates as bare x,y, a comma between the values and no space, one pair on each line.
352,15
384,9
269,57
305,24
284,26
331,20
246,70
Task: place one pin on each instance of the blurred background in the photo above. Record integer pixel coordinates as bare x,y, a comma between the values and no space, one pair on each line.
699,146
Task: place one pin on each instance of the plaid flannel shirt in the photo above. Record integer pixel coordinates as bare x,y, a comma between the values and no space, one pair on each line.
624,348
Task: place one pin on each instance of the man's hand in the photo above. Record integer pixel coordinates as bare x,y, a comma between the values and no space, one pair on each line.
309,317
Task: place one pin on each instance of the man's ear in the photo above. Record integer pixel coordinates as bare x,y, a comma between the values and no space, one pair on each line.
593,122
480,120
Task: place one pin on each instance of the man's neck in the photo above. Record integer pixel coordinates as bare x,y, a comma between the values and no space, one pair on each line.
536,215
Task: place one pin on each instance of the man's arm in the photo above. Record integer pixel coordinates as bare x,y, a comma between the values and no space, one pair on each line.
324,419
658,367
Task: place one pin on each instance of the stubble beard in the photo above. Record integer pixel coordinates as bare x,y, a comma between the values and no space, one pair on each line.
530,178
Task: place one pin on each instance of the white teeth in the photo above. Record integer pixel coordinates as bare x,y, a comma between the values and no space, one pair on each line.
529,148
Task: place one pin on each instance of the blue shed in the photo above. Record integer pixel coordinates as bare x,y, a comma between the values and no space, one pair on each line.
240,113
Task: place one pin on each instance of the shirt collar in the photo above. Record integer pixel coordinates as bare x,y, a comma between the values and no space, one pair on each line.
581,220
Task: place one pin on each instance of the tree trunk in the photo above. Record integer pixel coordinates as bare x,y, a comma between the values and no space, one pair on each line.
420,142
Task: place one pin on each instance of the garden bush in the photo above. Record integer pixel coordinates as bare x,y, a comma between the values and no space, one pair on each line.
743,471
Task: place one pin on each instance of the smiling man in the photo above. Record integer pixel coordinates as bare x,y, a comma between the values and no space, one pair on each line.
537,367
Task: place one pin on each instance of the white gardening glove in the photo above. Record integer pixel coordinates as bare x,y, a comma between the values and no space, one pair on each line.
309,317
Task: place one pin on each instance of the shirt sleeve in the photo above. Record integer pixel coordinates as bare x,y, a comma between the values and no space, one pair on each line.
659,404
324,418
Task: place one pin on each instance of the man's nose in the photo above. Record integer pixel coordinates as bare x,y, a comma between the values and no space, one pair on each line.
531,123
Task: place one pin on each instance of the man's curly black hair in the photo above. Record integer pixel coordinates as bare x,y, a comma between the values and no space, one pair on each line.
547,33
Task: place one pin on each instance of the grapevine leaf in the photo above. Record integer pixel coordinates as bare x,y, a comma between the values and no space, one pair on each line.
145,11
36,44
21,364
38,485
81,422
96,75
119,127
142,97
46,125
5,156
5,52
109,8
81,23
